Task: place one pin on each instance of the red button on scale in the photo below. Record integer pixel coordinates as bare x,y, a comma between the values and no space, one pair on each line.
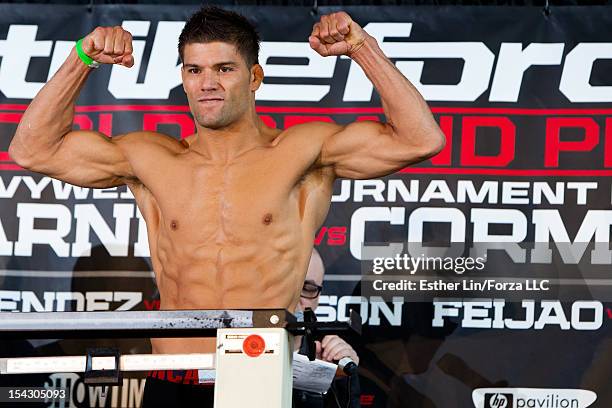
254,345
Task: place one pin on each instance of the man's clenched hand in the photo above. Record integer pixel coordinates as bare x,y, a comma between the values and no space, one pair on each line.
109,45
337,34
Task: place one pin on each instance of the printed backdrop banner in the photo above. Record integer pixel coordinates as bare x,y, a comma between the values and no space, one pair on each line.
524,99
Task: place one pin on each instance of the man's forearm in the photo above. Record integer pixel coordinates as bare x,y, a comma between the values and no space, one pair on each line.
50,115
404,107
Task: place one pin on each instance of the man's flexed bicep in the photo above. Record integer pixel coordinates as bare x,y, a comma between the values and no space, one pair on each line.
368,149
88,159
44,141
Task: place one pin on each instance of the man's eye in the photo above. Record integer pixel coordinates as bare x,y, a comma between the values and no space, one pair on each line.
226,69
194,71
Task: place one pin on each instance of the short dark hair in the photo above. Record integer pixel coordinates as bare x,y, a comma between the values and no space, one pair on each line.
211,24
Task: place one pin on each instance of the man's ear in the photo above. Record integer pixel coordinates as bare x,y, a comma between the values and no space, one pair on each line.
257,76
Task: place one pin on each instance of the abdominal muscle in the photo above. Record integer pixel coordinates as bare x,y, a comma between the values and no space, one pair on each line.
248,276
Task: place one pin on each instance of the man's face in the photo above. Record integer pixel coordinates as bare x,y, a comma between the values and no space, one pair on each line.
218,83
314,275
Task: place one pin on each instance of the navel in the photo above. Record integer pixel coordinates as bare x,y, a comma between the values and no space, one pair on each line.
174,225
267,219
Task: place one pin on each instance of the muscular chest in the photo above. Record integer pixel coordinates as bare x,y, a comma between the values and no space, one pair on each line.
208,201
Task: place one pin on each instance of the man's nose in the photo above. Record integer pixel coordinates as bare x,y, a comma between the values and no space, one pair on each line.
210,80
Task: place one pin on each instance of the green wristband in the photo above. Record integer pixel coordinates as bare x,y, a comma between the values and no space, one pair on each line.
87,60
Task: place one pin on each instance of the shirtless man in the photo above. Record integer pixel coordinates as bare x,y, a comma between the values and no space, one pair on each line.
232,210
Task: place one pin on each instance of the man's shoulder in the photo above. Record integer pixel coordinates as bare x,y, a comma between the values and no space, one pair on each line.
304,143
148,140
309,132
313,128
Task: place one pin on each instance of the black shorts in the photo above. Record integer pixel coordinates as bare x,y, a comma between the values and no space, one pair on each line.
178,388
164,393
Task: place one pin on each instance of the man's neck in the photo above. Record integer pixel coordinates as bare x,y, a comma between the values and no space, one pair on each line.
229,142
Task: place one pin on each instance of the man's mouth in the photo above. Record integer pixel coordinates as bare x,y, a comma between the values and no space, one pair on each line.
210,100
